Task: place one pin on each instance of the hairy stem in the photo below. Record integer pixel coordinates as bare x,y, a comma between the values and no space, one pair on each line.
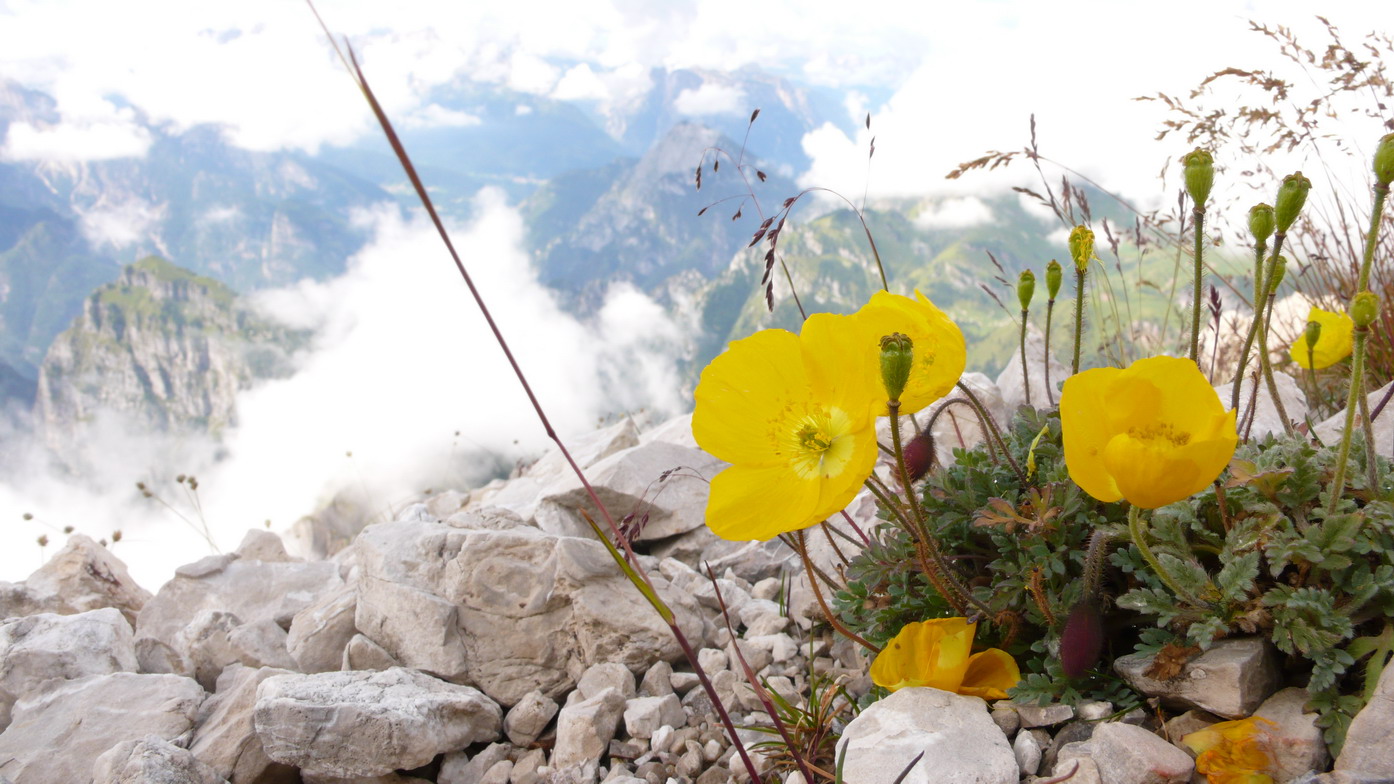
1079,317
1357,388
993,433
1025,372
1136,530
1050,393
1199,215
1260,295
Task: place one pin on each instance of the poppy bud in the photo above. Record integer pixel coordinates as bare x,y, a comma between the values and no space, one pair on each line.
1082,640
1081,247
1384,160
919,455
1053,275
1292,194
1313,334
897,357
1364,309
1261,222
1200,175
1025,288
1275,277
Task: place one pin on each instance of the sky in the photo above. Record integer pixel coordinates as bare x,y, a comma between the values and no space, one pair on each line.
962,78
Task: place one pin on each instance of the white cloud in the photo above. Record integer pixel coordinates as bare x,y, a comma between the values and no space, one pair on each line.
580,83
75,142
121,224
436,116
954,213
400,362
710,99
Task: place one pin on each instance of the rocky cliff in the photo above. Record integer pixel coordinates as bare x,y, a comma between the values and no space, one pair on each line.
165,348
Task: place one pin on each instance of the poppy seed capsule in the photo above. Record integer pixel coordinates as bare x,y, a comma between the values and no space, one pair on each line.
1199,168
919,455
1053,276
1026,288
1292,194
1261,222
1082,641
897,357
1384,160
1313,334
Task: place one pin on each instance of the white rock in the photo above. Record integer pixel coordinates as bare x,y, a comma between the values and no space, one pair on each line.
1026,747
151,760
644,715
1129,754
526,720
1265,418
262,545
658,680
960,743
37,648
368,723
1366,751
1010,382
215,639
1044,715
362,653
781,647
224,735
584,732
82,576
1231,679
508,611
56,734
1297,741
677,430
456,768
712,660
1329,430
606,675
319,633
959,427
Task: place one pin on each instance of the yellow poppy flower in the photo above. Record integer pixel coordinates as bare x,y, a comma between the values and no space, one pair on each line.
1333,345
793,415
1233,752
940,352
1155,433
935,653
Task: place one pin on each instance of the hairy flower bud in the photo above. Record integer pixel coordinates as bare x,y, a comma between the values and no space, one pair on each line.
1053,275
1200,175
1364,309
1384,160
1313,334
1082,640
1025,288
1081,247
1275,277
1261,222
897,357
919,455
1292,194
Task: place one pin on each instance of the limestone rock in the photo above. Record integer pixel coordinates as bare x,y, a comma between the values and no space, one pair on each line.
1366,751
644,715
458,768
82,576
1126,754
225,736
1044,715
251,590
37,648
151,760
1329,429
215,639
320,633
958,427
1028,748
56,734
368,723
961,744
508,611
526,720
1296,741
584,732
362,653
1231,679
1010,381
1265,418
262,545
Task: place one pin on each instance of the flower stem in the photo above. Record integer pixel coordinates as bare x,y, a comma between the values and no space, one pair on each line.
1079,317
1025,373
1138,534
1381,191
1199,215
802,550
1260,296
1266,365
993,432
1357,389
1050,394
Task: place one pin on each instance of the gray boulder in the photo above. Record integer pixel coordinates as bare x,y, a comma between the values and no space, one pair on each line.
151,760
40,648
82,576
224,733
960,742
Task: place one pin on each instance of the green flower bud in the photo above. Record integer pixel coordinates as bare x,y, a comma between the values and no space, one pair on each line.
1261,222
1081,247
897,356
1200,175
1364,309
1053,275
1313,334
1292,194
1025,288
1280,268
1384,160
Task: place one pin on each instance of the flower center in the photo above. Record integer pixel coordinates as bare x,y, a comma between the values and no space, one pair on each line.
1160,431
819,443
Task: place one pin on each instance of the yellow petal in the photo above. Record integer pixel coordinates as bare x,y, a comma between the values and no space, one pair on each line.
1333,345
760,502
930,653
1154,472
840,483
940,352
990,674
1165,389
843,362
746,393
1085,430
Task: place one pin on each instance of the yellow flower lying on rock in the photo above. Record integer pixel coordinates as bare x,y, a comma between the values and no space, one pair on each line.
1155,433
1234,752
1333,345
795,415
935,653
